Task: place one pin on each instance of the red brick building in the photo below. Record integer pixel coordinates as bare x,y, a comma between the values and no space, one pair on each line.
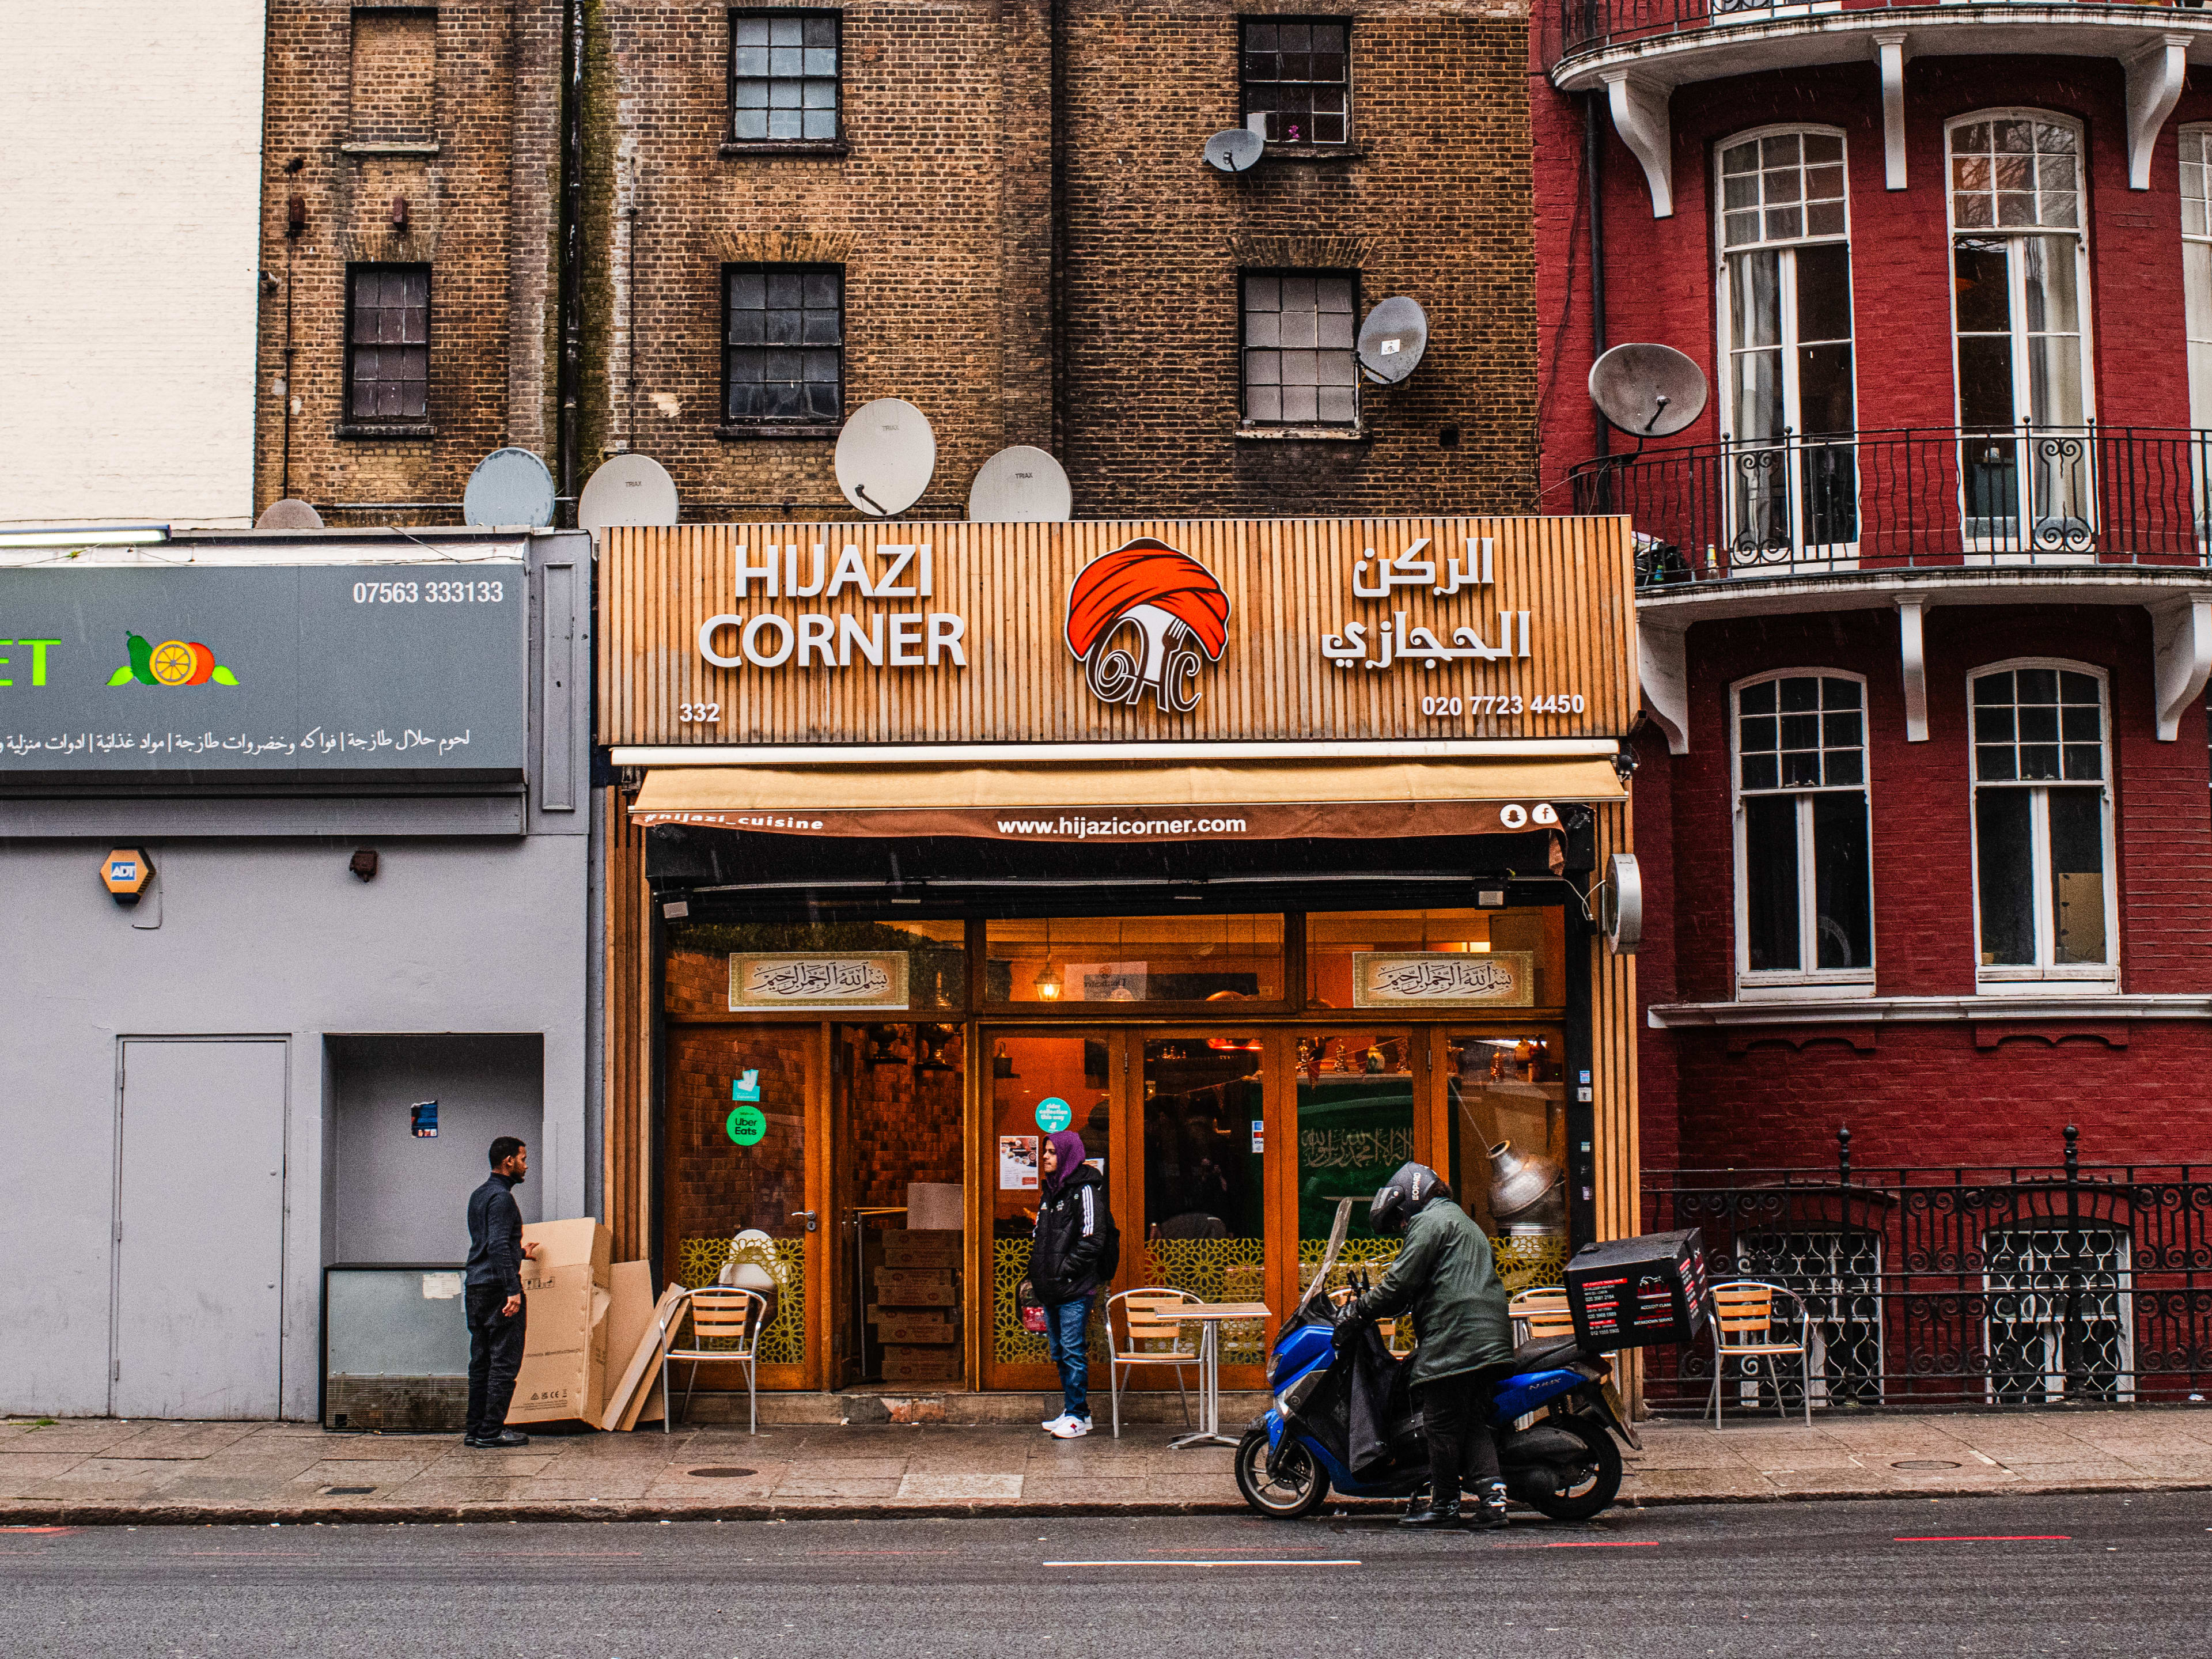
1923,807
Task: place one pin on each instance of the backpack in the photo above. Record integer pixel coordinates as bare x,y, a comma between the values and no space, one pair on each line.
1109,1250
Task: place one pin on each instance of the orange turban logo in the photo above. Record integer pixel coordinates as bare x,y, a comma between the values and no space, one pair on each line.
1141,616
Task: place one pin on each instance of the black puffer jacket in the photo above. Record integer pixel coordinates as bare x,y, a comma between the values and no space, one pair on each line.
1071,1226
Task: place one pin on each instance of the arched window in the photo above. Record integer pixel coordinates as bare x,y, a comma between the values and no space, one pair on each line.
2044,893
1804,886
2019,297
1785,300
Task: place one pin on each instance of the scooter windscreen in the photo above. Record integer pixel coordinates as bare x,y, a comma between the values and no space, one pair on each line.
1314,1305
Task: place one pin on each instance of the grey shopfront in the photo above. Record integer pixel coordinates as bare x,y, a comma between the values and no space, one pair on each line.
357,765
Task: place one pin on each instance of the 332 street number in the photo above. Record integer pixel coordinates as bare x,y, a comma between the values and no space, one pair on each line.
698,714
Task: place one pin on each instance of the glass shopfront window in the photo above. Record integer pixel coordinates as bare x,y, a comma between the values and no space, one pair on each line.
1353,958
767,967
1135,959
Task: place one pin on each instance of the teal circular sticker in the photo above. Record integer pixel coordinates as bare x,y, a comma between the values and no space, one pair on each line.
1054,1115
745,1125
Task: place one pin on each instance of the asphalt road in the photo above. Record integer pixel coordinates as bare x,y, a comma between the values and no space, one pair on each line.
2006,1577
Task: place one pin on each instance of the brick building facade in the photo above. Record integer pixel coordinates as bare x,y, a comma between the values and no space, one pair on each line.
409,155
1941,269
997,212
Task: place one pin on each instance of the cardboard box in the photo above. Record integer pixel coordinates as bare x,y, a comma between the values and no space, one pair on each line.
567,1301
903,1325
914,1287
1638,1292
914,1364
910,1248
635,1396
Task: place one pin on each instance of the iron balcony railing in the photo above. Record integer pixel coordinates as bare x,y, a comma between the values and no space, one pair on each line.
2024,495
1573,26
1956,1287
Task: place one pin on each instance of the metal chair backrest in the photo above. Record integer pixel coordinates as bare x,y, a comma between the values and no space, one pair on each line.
1152,1314
1743,1310
723,1313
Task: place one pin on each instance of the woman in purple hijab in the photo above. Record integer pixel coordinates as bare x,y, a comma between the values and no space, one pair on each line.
1077,1249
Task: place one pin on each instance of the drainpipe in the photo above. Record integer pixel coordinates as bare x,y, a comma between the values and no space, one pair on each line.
1592,153
571,242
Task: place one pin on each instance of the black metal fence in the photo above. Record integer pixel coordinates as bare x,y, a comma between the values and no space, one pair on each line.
2026,1284
1575,26
1940,495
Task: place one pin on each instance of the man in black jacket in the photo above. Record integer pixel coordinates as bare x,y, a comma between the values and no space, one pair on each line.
496,1320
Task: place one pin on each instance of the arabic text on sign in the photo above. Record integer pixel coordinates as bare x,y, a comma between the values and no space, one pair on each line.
1444,978
819,979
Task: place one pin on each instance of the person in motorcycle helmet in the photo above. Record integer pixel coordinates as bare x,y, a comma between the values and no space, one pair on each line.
1445,1277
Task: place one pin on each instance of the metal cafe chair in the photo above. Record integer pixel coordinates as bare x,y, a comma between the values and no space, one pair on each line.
1538,1314
719,1313
1749,1326
1148,1319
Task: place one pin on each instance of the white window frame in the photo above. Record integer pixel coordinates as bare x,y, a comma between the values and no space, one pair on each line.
2016,308
2195,147
1802,550
2014,979
1802,984
1997,1289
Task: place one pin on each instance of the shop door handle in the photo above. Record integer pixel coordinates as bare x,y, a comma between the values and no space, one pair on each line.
808,1215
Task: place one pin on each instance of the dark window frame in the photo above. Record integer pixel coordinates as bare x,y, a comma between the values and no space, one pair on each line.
1244,348
749,425
1245,25
731,141
408,425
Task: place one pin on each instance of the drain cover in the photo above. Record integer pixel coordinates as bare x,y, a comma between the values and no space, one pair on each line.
1925,1463
719,1474
346,1491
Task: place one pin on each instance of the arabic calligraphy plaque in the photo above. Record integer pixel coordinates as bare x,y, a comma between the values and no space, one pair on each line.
1444,979
816,979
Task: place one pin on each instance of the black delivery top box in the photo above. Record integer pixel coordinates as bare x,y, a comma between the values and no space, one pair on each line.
1638,1292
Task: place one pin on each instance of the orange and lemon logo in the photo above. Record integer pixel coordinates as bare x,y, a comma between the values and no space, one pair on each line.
172,662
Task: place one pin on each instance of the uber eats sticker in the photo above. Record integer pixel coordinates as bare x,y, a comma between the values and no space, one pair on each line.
746,1122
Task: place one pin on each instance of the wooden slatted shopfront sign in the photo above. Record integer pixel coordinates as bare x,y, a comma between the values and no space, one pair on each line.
1282,629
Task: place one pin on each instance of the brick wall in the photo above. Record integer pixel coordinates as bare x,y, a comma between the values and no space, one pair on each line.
454,109
1660,272
1920,1085
1083,299
129,139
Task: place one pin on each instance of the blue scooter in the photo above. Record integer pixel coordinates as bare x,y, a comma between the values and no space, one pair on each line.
1562,1464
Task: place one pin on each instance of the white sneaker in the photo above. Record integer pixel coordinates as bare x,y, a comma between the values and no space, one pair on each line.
1071,1428
1052,1423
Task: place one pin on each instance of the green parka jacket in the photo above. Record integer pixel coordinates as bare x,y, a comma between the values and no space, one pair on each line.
1446,1279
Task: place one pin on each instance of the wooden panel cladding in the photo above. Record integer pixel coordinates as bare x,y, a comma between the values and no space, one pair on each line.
973,642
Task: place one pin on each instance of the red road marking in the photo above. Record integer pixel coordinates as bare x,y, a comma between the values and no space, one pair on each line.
47,1532
1607,1544
1993,1538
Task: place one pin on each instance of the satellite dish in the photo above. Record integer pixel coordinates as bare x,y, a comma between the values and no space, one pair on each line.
1236,149
885,457
1020,485
1393,338
509,486
290,514
1649,390
629,490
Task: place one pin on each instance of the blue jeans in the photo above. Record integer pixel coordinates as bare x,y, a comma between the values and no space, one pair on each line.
1067,1329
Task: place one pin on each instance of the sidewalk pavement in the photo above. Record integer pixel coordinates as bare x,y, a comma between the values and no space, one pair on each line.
103,1471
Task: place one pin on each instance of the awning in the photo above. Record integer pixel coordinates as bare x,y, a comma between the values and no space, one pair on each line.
1070,803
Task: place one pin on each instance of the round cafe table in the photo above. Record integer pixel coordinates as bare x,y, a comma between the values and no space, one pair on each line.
1211,1316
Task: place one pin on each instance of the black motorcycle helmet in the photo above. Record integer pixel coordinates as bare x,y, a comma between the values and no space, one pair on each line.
1403,1197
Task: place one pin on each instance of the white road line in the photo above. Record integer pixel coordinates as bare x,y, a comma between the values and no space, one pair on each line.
1306,1562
